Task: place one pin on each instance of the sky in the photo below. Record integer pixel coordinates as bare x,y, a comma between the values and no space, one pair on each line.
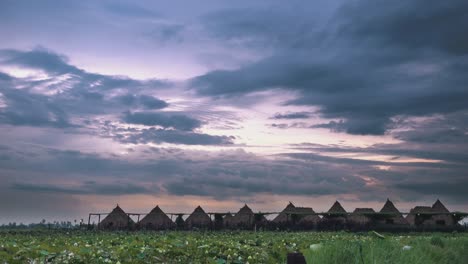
221,103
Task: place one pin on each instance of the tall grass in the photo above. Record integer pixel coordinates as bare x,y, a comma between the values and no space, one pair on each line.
421,249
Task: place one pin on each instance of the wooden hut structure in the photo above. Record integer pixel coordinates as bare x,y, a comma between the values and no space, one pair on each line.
335,218
442,219
246,218
285,216
227,220
307,217
156,220
180,223
390,215
361,217
198,219
420,216
427,216
117,219
300,216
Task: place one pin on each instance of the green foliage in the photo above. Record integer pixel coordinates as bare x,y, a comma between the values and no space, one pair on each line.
437,241
228,247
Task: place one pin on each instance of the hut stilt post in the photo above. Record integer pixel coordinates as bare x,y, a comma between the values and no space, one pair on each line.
89,221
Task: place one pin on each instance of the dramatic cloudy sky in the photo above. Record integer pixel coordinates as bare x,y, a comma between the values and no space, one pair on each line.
220,103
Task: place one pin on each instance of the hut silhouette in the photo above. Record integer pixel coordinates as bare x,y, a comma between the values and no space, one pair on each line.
299,216
117,219
391,215
285,216
442,219
335,217
156,220
180,223
431,216
198,219
361,217
244,218
307,217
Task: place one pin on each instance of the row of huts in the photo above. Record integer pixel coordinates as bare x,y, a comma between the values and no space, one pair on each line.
291,217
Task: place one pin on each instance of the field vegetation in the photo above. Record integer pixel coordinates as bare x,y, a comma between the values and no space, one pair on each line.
48,246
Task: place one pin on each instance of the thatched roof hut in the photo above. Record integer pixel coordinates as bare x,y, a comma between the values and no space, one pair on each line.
244,218
307,216
430,216
300,215
156,220
337,209
198,219
360,216
442,219
391,215
336,212
285,215
335,217
418,216
117,219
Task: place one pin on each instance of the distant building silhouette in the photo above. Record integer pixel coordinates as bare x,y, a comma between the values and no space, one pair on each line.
117,219
156,220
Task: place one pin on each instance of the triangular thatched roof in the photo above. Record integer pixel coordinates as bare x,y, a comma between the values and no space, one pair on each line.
116,219
421,209
198,219
156,219
439,207
430,216
244,217
337,208
245,210
394,216
389,207
284,216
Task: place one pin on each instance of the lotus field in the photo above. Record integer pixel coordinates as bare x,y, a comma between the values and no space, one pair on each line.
229,247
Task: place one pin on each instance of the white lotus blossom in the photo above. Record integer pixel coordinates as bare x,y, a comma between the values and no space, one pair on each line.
407,247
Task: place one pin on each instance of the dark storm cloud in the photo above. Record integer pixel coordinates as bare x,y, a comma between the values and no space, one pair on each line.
145,101
39,58
456,190
293,115
66,92
411,24
55,64
162,119
151,102
448,129
28,109
373,62
184,137
5,77
164,32
274,26
89,187
222,175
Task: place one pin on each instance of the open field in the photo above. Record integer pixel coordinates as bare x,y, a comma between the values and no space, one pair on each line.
229,247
